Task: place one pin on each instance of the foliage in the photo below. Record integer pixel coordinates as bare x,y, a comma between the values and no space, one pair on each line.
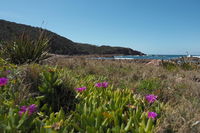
187,66
108,110
182,110
149,85
54,93
60,108
25,50
169,65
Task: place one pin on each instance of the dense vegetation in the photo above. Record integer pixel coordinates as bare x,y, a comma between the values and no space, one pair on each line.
177,85
59,44
78,94
40,98
44,98
82,95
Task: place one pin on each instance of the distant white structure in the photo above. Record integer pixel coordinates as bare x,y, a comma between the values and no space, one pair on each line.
188,55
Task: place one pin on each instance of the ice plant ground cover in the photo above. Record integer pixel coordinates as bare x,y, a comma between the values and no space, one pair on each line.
81,89
30,109
3,81
151,98
97,96
98,106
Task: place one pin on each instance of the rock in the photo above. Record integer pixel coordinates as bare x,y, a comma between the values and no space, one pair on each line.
154,62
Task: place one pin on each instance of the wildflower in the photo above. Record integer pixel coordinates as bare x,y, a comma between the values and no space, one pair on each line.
3,81
103,84
23,108
151,98
152,115
31,109
98,85
81,89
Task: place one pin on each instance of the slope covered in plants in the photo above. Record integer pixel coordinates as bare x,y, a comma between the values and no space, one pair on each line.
59,44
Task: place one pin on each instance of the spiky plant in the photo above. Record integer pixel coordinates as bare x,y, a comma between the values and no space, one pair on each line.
24,49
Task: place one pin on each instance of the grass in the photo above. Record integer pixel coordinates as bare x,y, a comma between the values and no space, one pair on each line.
175,85
120,108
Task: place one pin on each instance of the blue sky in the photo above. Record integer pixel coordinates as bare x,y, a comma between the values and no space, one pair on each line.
151,26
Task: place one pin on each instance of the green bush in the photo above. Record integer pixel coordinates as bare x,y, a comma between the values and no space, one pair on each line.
169,65
25,50
55,93
187,66
149,85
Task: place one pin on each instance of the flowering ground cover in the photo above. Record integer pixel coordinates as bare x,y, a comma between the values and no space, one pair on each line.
176,85
63,101
104,97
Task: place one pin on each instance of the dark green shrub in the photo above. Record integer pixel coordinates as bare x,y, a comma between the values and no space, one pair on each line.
55,92
149,85
169,66
187,66
25,50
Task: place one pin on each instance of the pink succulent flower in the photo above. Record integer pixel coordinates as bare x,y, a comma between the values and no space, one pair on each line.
3,81
103,84
31,109
151,98
98,85
81,89
152,115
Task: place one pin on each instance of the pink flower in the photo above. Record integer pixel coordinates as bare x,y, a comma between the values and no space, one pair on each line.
151,98
103,84
152,115
24,108
98,85
3,81
31,109
81,89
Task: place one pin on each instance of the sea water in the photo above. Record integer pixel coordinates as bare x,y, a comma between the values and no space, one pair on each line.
157,57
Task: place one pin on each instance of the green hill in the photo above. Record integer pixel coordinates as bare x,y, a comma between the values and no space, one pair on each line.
59,44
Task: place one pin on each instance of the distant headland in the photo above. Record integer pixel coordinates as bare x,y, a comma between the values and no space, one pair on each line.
60,44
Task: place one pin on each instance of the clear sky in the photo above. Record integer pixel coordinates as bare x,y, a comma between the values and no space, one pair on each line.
151,26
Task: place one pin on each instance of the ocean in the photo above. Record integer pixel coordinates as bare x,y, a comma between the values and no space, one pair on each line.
157,57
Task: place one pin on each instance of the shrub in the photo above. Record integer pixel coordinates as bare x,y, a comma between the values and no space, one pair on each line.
55,93
169,65
149,85
187,66
25,50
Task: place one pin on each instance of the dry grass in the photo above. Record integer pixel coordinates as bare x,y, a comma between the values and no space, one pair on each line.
178,88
